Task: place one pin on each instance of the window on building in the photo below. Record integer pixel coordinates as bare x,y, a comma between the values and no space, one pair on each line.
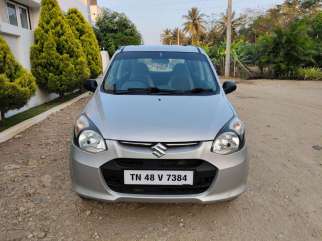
12,14
18,15
23,13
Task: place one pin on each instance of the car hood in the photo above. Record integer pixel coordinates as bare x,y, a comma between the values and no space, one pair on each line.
150,118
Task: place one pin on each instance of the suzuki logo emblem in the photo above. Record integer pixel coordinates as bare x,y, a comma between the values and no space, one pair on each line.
159,150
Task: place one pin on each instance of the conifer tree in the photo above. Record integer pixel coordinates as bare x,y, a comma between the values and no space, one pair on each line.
84,32
17,85
57,58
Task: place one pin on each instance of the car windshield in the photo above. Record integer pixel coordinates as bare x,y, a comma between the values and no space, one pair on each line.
160,73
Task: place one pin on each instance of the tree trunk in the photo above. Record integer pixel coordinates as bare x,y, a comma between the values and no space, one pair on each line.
228,43
178,37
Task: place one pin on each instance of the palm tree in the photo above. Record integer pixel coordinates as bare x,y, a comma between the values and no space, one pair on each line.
178,36
195,24
236,23
166,37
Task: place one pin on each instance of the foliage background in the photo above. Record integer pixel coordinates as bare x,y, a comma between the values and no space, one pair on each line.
279,43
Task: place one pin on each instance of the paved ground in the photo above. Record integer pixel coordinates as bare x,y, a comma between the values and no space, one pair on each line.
284,200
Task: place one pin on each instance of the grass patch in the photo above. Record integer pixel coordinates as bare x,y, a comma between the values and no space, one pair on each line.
16,119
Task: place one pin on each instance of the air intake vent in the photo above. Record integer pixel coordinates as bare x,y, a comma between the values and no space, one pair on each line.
113,173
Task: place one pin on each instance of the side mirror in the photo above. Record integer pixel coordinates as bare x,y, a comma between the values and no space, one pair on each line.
90,85
229,86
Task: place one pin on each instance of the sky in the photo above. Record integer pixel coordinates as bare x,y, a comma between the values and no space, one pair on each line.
153,16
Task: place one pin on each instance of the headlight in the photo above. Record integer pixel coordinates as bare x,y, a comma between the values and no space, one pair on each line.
91,141
87,136
231,138
226,143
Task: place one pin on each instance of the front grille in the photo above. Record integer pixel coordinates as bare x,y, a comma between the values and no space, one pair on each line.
204,174
167,144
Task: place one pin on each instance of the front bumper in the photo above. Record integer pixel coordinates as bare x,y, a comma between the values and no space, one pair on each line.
229,182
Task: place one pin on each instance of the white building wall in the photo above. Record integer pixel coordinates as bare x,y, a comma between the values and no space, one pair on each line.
95,12
105,60
20,40
2,11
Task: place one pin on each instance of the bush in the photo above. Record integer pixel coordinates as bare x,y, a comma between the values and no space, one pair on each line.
217,55
16,84
84,32
57,58
312,73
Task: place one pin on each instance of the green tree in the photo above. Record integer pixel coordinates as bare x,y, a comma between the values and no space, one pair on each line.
285,50
57,58
166,37
264,57
114,29
84,32
316,35
194,24
16,84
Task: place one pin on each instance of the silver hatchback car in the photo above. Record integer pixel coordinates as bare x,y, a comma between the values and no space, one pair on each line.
159,128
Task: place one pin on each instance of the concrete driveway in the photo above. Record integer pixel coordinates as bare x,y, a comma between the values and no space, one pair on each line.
283,202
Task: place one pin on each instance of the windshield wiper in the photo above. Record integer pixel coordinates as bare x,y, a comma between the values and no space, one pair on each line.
200,90
150,90
155,90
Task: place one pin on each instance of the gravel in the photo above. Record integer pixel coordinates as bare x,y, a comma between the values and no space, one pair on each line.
283,201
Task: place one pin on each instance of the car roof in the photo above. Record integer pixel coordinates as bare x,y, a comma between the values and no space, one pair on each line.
165,48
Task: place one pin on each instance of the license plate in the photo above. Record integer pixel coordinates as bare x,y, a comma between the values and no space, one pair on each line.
139,177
